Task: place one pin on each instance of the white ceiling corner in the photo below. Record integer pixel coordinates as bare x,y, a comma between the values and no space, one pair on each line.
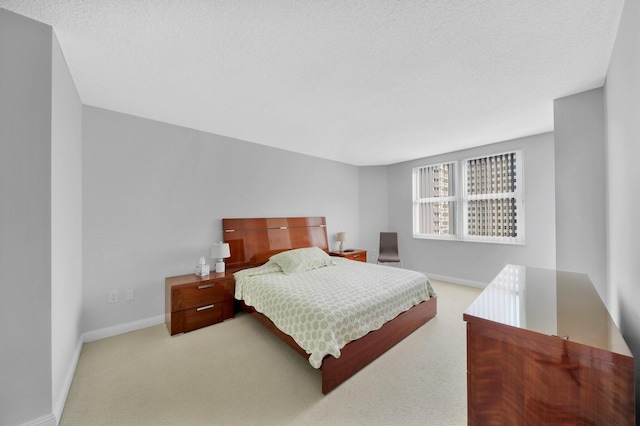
366,82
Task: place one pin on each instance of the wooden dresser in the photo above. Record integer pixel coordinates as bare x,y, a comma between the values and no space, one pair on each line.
543,349
193,302
354,254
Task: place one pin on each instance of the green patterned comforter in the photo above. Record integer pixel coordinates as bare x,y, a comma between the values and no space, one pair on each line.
325,308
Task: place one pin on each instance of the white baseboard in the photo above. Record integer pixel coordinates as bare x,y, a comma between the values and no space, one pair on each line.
454,280
58,405
47,420
103,333
53,419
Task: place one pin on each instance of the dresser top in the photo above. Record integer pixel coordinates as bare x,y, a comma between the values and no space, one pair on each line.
550,302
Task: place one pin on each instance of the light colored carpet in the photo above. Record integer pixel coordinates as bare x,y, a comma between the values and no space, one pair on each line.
237,372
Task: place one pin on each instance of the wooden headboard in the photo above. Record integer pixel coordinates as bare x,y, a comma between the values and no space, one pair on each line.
253,241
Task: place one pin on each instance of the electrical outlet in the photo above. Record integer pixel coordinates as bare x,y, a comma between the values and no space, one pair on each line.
130,295
113,297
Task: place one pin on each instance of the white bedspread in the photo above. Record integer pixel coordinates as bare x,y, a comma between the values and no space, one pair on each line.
323,309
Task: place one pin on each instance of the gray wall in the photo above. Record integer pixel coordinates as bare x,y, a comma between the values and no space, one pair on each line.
475,263
580,186
374,209
66,232
25,219
154,196
622,91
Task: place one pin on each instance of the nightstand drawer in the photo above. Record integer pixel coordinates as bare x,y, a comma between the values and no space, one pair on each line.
192,302
201,294
353,254
202,316
359,256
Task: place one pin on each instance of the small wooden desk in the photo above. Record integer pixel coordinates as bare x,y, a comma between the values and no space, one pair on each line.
543,349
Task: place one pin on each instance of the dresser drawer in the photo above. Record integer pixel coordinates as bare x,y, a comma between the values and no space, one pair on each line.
202,316
200,294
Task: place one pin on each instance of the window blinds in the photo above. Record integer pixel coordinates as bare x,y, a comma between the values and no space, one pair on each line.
492,208
435,200
488,208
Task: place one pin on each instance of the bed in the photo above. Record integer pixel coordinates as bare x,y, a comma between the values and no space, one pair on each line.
267,252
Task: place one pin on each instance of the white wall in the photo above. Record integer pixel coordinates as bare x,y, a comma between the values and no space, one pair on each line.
477,263
579,129
622,93
66,228
25,220
154,196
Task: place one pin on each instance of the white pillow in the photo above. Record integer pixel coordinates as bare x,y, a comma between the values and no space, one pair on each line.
268,268
301,260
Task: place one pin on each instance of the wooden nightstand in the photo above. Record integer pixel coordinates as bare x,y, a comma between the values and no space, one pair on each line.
354,254
193,302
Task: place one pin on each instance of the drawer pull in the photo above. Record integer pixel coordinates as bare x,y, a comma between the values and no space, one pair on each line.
356,255
202,287
202,308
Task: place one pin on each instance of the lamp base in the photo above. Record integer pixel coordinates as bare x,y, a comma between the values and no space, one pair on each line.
341,247
219,266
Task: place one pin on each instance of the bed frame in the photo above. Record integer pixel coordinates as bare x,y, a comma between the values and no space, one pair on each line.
253,241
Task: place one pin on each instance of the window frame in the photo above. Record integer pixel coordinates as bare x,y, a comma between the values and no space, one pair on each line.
461,200
517,194
417,202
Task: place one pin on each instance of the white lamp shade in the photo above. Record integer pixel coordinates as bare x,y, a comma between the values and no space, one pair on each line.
220,251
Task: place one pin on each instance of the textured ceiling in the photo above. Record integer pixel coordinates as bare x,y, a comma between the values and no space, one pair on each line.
364,82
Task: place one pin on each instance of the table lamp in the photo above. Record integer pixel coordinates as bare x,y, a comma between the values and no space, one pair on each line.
220,251
342,237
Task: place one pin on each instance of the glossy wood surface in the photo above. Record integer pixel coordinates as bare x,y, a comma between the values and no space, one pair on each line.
542,349
355,254
193,302
253,240
191,319
193,295
552,303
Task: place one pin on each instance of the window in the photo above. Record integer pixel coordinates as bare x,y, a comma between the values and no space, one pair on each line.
435,201
488,209
493,199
